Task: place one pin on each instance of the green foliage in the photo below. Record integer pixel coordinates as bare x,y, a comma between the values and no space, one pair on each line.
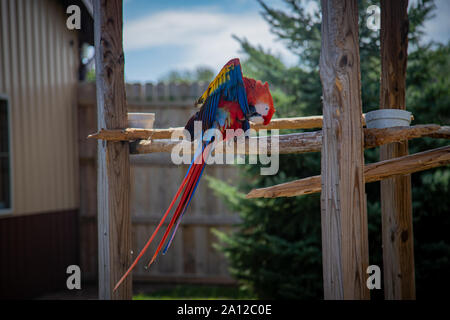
90,76
276,250
199,74
195,292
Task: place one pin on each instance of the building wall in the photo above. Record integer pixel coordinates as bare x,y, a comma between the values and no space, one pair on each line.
38,73
35,251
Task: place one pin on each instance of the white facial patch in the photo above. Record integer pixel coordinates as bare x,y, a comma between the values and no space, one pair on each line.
262,109
256,119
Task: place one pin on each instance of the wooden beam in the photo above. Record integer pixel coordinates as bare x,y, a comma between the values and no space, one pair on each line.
289,143
135,133
114,219
442,133
372,172
379,137
132,134
343,202
396,199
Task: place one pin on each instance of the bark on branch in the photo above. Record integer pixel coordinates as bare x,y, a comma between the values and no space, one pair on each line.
372,172
135,133
291,143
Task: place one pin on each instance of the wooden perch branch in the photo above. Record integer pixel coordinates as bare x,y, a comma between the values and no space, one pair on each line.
143,134
372,172
442,133
295,142
135,134
378,137
288,143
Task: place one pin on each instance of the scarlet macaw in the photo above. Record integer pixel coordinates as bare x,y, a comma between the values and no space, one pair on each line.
229,102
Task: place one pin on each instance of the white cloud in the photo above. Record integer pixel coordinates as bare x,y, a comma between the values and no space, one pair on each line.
204,35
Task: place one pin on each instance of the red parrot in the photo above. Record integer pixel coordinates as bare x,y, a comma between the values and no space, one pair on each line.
229,102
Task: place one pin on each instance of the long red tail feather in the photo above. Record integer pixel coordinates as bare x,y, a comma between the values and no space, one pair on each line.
181,206
183,183
188,181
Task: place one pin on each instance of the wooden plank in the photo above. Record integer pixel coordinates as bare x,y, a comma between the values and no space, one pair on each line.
372,172
134,133
193,220
378,137
291,143
343,203
200,279
189,247
442,133
114,219
396,199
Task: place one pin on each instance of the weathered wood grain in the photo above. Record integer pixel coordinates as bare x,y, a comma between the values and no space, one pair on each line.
379,137
343,203
136,133
372,172
442,133
291,143
114,220
396,198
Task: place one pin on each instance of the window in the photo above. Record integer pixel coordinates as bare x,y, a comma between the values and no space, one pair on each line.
5,156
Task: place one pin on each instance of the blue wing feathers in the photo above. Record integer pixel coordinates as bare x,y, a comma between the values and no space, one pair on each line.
231,88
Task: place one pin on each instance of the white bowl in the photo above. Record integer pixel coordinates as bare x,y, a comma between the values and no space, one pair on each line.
386,118
142,120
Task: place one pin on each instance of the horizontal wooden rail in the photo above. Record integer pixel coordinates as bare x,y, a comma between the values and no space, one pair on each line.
143,134
372,172
291,143
134,134
442,133
202,220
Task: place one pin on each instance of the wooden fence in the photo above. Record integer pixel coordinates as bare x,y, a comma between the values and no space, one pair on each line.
154,181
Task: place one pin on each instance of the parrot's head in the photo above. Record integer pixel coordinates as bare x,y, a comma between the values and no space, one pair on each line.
259,100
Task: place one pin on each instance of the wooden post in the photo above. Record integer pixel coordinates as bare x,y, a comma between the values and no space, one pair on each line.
396,208
114,221
343,202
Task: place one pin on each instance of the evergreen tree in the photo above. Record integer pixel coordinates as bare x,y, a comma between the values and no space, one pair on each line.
276,250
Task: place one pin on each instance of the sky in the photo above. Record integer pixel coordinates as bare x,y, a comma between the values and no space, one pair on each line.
161,36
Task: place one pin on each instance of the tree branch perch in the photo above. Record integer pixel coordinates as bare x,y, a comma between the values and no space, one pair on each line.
372,172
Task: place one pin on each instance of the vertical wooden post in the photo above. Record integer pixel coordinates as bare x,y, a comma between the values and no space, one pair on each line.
114,222
343,203
396,208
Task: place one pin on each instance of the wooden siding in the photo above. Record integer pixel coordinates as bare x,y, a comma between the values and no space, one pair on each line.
38,73
154,181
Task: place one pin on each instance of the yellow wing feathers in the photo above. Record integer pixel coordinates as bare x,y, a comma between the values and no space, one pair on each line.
221,78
